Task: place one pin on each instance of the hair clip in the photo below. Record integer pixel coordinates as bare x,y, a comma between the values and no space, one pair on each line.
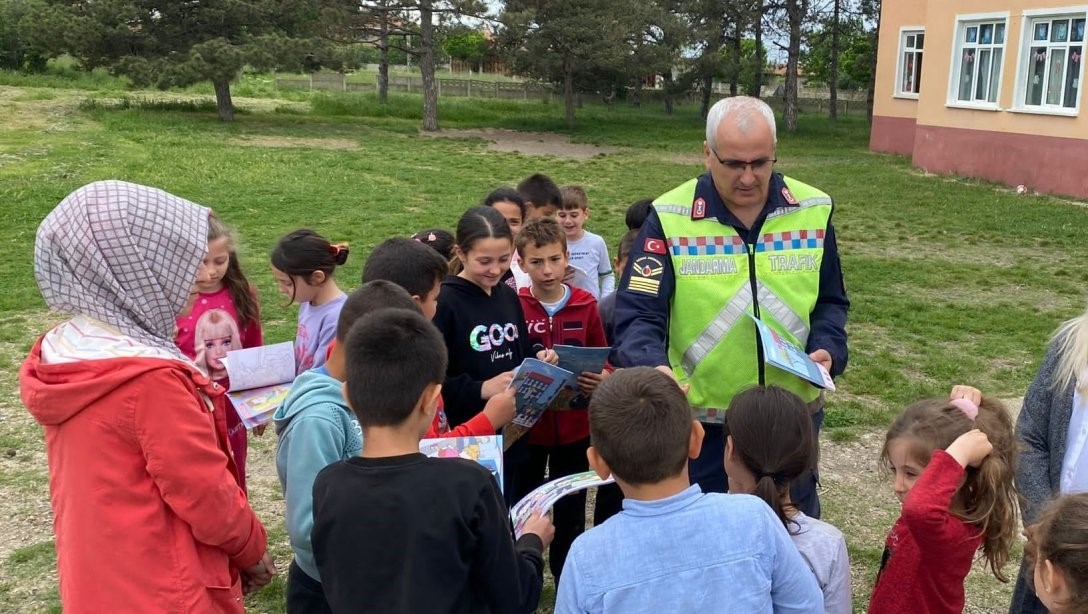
968,408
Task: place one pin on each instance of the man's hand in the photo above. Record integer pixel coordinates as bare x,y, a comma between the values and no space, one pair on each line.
823,358
668,371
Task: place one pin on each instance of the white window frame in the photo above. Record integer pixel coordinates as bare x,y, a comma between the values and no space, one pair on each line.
959,29
1024,60
899,66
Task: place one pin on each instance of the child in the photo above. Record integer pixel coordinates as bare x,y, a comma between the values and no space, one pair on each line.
587,250
768,444
657,555
1058,550
637,213
483,325
542,196
135,434
222,308
512,206
315,429
952,464
420,272
303,264
607,304
439,240
558,314
395,531
1047,427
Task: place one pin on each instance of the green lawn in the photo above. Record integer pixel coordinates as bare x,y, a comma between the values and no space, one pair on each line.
951,280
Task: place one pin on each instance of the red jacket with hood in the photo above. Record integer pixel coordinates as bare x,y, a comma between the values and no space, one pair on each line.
148,515
576,323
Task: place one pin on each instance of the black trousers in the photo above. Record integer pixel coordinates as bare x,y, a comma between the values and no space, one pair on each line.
569,514
304,594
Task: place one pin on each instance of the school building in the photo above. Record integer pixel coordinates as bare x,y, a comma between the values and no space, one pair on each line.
985,88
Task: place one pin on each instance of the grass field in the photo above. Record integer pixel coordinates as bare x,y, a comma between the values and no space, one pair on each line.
950,280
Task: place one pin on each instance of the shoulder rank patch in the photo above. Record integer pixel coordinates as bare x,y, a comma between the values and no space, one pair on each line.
698,209
646,275
790,198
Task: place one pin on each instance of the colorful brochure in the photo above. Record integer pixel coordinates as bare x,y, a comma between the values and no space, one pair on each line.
486,450
537,384
780,353
578,360
260,378
544,497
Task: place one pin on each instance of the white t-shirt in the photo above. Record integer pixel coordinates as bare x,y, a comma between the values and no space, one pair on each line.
824,550
1074,476
591,255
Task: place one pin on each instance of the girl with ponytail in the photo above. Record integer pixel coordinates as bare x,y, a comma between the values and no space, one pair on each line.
769,443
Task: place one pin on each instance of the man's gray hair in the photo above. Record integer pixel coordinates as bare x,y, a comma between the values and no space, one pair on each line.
741,110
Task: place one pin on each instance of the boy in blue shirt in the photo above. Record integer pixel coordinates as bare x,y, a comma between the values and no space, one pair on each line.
674,548
315,428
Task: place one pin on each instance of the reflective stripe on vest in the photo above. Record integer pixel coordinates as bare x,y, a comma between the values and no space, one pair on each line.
712,345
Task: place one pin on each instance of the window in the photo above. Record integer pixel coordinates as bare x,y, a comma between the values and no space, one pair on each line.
1050,76
910,62
980,48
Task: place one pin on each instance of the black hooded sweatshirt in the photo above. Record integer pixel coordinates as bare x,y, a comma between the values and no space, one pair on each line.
485,335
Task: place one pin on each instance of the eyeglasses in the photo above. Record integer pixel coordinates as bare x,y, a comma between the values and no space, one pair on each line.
739,166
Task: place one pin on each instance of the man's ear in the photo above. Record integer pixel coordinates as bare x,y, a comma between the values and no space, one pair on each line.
597,464
695,443
706,154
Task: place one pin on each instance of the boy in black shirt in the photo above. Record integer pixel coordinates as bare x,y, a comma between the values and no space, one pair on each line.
395,531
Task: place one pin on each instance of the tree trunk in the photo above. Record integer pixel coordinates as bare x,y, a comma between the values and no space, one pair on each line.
636,93
666,91
223,102
757,25
735,64
383,57
426,66
708,83
568,89
795,11
833,108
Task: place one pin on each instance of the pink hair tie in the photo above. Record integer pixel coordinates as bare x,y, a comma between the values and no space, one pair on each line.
968,408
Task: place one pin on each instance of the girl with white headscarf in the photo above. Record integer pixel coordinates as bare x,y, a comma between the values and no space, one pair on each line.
147,513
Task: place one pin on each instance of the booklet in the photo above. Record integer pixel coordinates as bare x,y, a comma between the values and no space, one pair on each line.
260,379
578,360
544,497
486,450
780,353
538,386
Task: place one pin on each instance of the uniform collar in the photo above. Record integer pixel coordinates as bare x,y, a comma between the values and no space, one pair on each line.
715,207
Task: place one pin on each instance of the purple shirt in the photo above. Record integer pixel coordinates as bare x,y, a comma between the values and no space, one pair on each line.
316,331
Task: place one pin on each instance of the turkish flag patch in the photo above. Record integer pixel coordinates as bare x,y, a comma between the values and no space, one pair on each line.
654,246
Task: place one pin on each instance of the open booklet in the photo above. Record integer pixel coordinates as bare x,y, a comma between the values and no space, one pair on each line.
578,360
486,450
260,378
780,353
544,497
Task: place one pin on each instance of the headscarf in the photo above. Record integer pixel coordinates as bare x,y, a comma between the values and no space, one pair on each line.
124,254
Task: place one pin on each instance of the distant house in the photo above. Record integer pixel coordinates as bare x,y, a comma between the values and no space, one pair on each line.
985,88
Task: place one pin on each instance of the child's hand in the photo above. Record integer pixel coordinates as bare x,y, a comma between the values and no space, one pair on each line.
259,429
500,408
548,355
972,394
496,385
540,525
588,381
970,448
259,575
668,371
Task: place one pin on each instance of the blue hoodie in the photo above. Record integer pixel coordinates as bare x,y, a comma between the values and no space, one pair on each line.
315,428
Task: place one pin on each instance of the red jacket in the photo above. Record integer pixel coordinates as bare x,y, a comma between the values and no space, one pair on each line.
576,323
147,513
